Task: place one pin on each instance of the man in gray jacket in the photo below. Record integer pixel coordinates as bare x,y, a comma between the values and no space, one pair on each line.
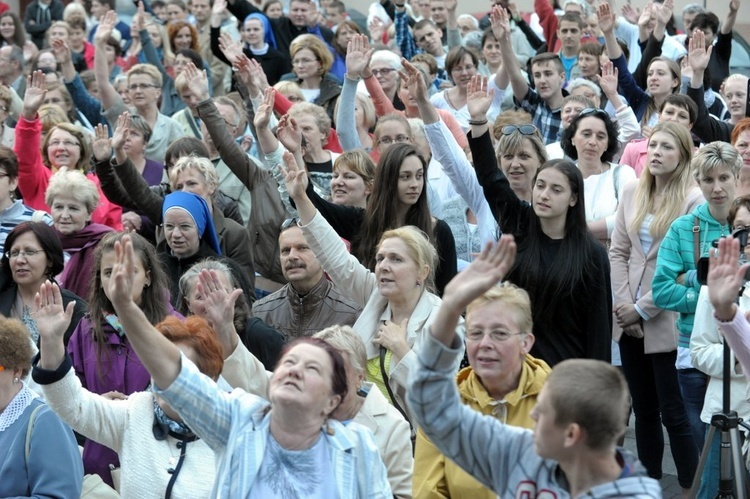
309,302
580,412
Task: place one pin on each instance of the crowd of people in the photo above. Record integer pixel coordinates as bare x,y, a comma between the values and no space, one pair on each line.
288,249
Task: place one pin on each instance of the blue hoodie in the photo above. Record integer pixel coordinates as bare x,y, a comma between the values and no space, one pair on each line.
677,256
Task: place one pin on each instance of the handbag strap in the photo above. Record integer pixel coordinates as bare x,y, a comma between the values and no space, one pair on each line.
696,241
388,385
29,430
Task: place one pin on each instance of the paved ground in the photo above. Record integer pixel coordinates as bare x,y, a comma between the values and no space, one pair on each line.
669,483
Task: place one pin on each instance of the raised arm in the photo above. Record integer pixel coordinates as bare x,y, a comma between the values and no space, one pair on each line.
217,17
728,25
107,92
358,56
501,30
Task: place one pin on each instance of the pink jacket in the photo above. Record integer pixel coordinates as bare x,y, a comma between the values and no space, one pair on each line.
635,154
33,176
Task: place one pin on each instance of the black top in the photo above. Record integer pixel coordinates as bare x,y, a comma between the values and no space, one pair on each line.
347,221
263,341
274,62
577,324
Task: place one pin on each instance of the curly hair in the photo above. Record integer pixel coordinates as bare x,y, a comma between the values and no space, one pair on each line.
15,346
612,131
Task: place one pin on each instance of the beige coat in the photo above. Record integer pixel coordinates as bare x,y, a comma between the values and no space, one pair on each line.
632,269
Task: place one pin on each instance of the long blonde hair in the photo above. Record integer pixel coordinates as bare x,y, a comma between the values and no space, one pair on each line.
677,188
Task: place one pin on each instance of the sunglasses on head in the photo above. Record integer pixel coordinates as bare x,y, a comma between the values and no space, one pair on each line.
522,129
288,223
594,111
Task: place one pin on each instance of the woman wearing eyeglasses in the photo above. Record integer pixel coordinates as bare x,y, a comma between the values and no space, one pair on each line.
646,334
560,263
311,63
591,139
33,255
65,145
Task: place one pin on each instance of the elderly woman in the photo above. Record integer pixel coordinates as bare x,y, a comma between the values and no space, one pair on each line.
190,236
397,301
64,146
311,62
502,381
160,455
294,446
365,404
33,255
260,339
29,430
7,134
12,210
73,198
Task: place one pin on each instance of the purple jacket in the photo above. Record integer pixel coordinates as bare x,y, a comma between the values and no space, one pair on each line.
118,369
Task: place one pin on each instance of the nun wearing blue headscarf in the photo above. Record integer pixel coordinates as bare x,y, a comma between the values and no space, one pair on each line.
259,43
190,236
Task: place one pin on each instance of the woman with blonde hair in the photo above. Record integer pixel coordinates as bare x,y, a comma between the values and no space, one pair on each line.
646,333
352,179
311,63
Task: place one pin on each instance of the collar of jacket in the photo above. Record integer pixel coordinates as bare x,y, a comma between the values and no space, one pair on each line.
308,303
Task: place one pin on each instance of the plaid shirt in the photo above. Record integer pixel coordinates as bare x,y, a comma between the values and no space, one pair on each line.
236,426
404,38
547,120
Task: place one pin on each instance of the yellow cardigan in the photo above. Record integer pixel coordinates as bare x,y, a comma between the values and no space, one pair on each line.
438,477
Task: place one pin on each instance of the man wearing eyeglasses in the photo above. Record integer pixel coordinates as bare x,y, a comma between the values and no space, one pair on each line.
309,302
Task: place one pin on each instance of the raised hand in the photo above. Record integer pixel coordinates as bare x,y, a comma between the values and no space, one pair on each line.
478,97
358,54
377,29
630,13
725,278
139,20
264,111
663,12
295,177
217,302
51,317
102,147
606,18
251,74
413,78
698,54
61,51
122,132
608,79
645,18
734,6
218,11
131,221
104,30
229,47
289,134
36,87
197,82
500,22
120,285
489,268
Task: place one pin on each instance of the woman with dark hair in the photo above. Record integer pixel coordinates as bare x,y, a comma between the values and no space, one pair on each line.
591,139
560,263
262,450
100,354
343,33
33,255
12,32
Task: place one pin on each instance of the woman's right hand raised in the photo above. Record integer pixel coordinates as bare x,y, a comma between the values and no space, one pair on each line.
295,177
101,145
358,54
105,27
36,88
698,53
122,132
120,285
52,320
289,134
264,111
478,97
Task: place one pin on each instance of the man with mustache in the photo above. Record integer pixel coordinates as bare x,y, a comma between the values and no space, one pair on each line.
309,302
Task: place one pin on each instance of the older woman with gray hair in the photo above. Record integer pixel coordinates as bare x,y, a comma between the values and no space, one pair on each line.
366,405
73,198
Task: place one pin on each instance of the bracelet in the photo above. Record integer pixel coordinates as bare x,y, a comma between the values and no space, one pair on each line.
478,122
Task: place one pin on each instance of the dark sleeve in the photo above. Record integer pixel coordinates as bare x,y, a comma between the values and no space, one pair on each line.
706,128
229,207
215,49
242,279
88,105
263,341
146,200
636,97
723,47
598,305
345,220
445,245
34,29
79,310
152,57
111,185
242,8
652,50
534,40
507,209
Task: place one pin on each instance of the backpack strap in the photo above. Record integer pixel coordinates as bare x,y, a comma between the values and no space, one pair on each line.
29,429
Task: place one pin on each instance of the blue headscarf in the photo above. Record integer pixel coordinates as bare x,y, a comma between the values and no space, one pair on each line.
268,36
197,208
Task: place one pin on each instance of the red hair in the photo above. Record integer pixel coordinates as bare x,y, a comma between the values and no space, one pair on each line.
198,335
